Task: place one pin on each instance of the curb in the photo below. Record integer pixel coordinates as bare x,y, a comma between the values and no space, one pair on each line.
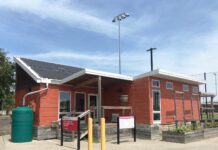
2,143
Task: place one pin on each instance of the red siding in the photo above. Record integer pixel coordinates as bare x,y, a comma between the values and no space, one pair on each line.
167,102
45,104
139,98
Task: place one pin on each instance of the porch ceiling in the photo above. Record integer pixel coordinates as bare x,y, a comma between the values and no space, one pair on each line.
92,81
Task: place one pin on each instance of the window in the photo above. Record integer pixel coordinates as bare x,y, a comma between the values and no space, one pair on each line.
156,106
185,87
169,85
80,102
64,103
155,83
195,89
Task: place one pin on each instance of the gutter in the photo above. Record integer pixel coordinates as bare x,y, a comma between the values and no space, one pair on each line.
34,92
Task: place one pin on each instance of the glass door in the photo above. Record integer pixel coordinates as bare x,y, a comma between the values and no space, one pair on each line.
156,107
64,103
79,102
92,105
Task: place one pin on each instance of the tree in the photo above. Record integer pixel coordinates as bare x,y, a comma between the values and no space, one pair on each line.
6,81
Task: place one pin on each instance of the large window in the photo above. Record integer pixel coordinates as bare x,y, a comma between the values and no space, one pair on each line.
64,103
156,106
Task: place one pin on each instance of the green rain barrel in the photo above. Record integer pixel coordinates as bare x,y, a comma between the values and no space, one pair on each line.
22,124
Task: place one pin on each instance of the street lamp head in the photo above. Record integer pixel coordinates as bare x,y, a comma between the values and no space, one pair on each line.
120,17
126,14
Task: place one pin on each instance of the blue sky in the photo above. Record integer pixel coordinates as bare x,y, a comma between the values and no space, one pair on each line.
80,33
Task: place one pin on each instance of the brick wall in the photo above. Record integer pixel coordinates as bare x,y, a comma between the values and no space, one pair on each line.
45,104
139,99
167,102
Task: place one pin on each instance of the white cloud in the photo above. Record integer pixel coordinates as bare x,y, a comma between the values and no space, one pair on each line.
62,11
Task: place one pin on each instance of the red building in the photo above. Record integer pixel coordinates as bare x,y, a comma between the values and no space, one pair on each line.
157,97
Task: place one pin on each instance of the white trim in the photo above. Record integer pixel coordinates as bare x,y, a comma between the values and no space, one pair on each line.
195,88
96,73
185,90
107,74
156,73
168,82
59,96
153,112
73,76
89,99
31,72
96,103
28,69
170,75
154,85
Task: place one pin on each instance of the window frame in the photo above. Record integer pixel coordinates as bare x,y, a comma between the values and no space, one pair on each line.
197,89
183,89
156,112
154,85
60,113
168,82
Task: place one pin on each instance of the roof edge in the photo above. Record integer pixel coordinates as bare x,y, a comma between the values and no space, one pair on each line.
73,76
31,72
170,74
108,74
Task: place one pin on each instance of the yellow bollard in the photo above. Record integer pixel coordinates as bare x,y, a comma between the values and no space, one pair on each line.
90,134
102,134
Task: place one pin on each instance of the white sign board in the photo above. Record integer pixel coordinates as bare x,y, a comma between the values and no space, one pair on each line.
69,118
126,122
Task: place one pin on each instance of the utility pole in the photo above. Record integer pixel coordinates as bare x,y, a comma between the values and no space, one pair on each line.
215,82
151,53
205,88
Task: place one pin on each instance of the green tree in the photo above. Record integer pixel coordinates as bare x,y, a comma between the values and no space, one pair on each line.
6,81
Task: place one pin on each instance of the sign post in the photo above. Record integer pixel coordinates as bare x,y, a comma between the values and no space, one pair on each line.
118,130
62,132
126,122
78,134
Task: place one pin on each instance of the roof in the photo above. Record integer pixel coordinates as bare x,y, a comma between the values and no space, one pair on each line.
45,72
51,70
163,74
203,94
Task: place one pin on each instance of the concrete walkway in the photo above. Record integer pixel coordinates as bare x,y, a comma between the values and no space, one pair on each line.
5,125
211,144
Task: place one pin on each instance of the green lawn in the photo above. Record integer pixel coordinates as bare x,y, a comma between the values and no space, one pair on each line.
204,116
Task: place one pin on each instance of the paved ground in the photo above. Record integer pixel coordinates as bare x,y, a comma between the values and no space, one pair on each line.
5,125
210,144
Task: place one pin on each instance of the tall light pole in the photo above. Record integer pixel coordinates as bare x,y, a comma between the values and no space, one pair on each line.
151,52
118,18
215,82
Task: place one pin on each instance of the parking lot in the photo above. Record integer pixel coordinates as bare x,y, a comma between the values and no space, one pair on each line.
6,144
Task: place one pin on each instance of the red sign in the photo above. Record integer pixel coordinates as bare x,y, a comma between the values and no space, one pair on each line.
70,123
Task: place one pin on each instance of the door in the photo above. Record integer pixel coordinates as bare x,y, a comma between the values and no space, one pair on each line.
64,103
92,105
79,102
156,106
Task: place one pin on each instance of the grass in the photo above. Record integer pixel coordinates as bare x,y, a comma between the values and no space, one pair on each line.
204,116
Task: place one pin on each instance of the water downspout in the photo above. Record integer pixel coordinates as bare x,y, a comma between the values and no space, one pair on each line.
34,92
